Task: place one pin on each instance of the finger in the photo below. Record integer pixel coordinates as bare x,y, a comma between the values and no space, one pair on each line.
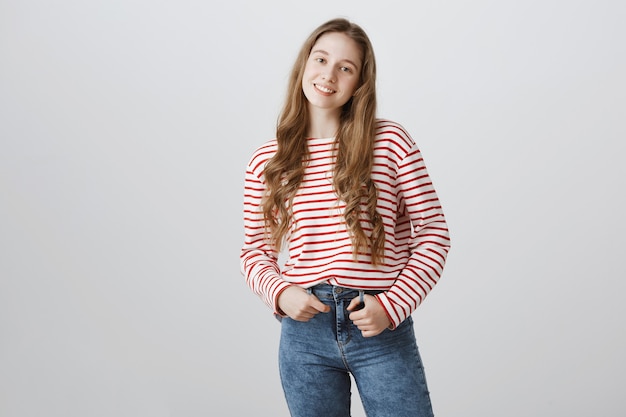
354,304
305,315
361,321
319,306
371,333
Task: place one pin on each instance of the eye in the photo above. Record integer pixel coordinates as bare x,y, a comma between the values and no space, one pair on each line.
320,60
346,69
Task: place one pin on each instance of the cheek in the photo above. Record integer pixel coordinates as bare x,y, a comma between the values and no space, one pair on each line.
354,87
307,71
305,85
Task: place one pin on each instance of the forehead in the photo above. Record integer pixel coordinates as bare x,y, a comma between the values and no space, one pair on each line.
339,46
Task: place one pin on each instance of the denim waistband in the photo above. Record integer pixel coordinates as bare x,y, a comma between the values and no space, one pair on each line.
333,291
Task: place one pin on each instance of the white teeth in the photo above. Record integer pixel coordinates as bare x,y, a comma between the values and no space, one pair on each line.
324,89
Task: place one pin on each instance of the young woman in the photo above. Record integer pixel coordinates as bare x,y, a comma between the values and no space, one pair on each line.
349,197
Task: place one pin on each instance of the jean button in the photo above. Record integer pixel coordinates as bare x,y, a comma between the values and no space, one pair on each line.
338,290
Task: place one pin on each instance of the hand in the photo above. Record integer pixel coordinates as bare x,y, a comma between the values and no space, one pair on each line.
371,319
298,304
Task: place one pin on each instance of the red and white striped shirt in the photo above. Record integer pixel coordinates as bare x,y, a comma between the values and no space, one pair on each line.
319,246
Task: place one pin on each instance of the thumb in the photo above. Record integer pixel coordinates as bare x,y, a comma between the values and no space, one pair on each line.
355,304
319,306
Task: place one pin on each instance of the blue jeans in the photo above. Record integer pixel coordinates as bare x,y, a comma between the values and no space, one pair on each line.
317,357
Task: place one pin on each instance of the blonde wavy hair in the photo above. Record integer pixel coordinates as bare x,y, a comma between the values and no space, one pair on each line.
354,144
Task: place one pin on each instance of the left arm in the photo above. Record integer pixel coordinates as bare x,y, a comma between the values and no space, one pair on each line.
429,243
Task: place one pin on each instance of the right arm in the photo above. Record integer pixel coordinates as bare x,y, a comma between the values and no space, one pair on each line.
259,260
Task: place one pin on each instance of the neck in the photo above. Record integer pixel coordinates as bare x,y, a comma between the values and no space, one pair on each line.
323,124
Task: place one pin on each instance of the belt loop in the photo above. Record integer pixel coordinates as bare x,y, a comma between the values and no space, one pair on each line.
361,296
309,290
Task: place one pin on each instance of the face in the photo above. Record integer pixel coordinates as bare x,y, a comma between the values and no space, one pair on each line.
331,74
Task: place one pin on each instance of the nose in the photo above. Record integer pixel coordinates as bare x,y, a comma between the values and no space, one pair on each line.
328,76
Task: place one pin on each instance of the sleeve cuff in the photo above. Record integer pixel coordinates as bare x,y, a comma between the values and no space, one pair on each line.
386,304
277,309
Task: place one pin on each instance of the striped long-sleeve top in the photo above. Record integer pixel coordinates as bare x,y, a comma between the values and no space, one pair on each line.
319,248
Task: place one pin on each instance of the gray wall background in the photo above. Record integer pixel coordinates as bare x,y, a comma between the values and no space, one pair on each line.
125,127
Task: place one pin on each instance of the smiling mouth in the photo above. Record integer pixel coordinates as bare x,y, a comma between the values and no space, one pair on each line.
324,89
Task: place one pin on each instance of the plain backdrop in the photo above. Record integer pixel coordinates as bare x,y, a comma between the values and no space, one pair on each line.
125,128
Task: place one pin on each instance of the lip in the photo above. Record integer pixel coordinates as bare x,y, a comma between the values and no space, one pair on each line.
324,89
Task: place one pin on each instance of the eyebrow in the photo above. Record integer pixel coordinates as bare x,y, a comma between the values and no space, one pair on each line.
326,53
